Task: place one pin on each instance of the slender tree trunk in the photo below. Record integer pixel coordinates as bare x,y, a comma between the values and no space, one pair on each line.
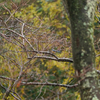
82,18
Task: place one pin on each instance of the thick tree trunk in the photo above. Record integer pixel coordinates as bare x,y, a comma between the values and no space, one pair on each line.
82,17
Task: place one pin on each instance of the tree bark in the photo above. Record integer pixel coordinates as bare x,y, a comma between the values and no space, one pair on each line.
81,14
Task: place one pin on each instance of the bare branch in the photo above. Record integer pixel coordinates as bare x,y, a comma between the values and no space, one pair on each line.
14,32
6,8
22,31
49,84
19,77
11,14
9,40
7,78
46,83
98,71
10,92
45,52
22,36
52,58
98,55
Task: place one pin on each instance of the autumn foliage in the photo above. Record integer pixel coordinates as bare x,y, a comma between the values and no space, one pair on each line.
34,36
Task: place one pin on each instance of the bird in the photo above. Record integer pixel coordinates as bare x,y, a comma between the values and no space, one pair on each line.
56,51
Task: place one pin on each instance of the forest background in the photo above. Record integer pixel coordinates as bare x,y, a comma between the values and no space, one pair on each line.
36,53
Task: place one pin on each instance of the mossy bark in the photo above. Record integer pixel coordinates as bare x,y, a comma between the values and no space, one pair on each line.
82,19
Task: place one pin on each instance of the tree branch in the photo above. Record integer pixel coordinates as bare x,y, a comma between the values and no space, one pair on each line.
49,84
52,58
10,92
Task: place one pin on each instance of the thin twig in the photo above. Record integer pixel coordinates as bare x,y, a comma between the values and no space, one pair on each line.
10,92
22,31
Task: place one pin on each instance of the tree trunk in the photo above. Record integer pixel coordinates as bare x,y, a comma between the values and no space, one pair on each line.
81,14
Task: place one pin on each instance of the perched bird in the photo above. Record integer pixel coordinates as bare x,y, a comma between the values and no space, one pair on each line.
56,51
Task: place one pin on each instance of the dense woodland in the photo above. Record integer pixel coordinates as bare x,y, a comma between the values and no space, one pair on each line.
37,47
